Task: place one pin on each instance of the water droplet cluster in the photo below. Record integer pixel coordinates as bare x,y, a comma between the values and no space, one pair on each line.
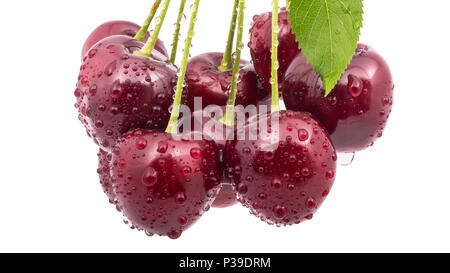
164,185
261,45
357,110
284,185
203,79
118,91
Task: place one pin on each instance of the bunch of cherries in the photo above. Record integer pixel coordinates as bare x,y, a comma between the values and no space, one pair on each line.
129,94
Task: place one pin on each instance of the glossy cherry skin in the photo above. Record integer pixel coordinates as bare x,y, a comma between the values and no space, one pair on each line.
118,91
203,79
104,173
164,185
112,28
357,110
283,181
261,45
225,198
213,129
209,121
104,163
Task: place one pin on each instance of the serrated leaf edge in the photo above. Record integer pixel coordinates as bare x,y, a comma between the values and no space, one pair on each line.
328,89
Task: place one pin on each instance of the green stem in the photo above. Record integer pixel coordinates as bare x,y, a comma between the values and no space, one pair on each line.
228,119
275,63
176,36
146,51
140,36
172,128
227,62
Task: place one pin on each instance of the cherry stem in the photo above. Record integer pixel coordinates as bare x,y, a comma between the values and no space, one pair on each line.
275,63
140,36
228,119
176,35
227,61
146,51
172,128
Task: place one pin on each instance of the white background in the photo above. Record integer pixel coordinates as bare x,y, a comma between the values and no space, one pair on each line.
394,197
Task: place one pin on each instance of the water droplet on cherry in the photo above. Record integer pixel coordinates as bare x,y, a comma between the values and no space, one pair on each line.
310,203
303,135
279,211
355,86
162,147
276,183
141,143
110,68
180,198
196,153
150,177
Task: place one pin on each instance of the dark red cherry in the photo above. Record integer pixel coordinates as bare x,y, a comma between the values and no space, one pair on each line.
357,110
118,91
282,180
118,28
261,45
164,185
203,79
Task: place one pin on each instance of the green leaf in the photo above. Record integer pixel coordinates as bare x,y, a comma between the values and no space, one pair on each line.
328,33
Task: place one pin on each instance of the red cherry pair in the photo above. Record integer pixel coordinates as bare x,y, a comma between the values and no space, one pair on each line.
356,111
